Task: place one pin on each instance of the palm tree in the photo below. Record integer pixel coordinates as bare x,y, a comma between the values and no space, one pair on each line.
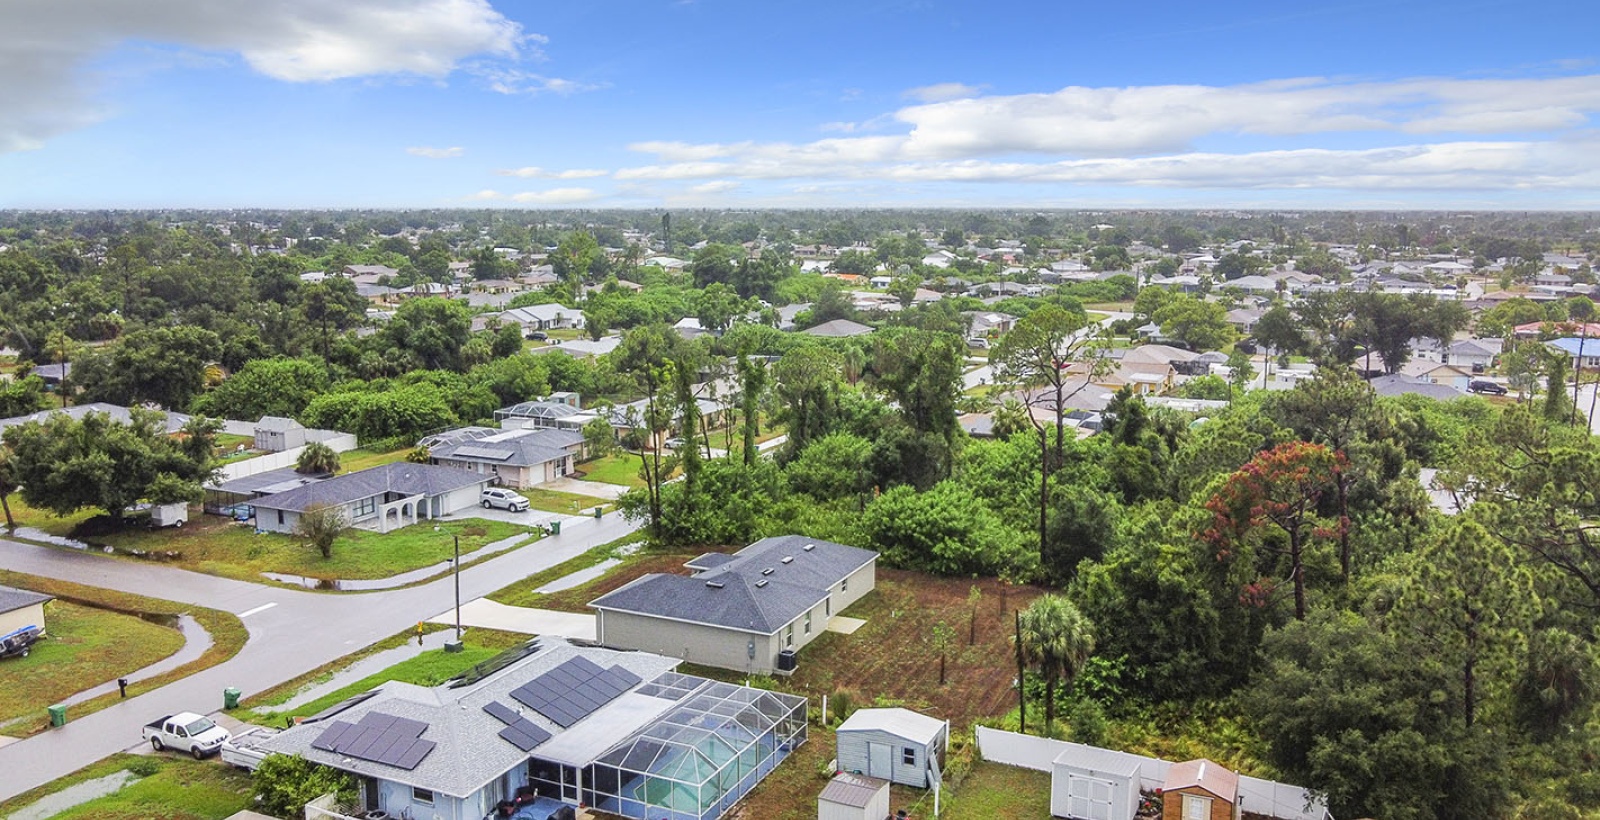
317,458
1058,639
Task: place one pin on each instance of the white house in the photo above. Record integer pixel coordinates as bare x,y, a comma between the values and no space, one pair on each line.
382,498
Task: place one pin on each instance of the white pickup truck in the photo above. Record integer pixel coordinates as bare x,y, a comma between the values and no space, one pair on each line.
244,750
186,732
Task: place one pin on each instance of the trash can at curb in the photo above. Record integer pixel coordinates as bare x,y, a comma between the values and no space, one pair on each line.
58,714
598,511
555,527
230,698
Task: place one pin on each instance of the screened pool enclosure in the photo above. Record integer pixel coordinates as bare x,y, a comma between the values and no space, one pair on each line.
697,759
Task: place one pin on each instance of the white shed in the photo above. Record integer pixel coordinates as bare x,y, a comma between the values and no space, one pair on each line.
854,797
1094,784
896,744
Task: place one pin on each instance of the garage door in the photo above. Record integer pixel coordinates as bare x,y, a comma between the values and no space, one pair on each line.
1088,798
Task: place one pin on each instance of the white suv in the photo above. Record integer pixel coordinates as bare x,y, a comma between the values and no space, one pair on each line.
502,498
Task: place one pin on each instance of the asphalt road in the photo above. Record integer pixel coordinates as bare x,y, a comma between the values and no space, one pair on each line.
291,633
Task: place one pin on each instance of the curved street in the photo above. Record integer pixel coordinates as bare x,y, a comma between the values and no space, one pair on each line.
291,633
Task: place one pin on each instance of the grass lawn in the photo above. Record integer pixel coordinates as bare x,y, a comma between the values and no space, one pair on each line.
360,459
180,789
1111,307
522,592
992,790
218,546
228,636
431,668
559,502
619,468
172,788
1096,316
85,647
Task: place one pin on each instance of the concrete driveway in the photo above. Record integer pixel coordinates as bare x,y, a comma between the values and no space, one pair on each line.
487,614
291,633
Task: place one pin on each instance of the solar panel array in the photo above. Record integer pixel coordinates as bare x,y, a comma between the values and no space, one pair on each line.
492,453
379,738
574,690
519,732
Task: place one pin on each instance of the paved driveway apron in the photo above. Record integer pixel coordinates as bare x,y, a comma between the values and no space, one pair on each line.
291,633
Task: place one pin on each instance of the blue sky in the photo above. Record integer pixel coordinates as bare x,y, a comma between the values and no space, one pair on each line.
759,103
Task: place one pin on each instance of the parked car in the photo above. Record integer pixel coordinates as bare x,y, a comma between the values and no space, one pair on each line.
981,344
503,499
1481,386
539,336
186,732
675,443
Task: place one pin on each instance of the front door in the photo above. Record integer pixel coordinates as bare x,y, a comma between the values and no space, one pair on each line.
880,760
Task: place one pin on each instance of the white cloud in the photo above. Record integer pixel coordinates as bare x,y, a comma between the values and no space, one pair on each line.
44,47
504,80
720,186
487,195
556,196
941,92
534,172
1495,134
436,153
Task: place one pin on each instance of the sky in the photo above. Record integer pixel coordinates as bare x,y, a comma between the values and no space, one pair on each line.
1470,105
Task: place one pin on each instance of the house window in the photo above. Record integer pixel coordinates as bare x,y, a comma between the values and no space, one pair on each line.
367,506
788,638
808,622
908,756
844,586
423,796
1196,808
280,518
827,606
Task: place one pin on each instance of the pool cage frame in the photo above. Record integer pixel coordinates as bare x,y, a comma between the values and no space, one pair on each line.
694,762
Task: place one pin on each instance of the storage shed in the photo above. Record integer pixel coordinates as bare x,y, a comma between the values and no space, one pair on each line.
20,608
854,797
1094,784
1199,790
895,744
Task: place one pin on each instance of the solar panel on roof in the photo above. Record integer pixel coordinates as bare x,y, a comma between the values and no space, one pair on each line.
501,712
491,453
379,738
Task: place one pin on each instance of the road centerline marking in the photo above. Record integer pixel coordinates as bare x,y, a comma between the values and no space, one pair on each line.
262,608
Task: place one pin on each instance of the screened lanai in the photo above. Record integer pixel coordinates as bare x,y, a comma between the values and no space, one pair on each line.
701,756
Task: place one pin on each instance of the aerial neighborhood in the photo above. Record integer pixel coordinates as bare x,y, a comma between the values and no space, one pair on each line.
1099,515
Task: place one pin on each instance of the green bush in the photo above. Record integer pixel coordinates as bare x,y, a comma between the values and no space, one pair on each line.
284,784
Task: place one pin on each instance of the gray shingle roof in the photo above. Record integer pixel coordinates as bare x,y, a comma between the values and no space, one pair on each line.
1398,384
401,478
838,329
12,598
741,593
469,752
525,448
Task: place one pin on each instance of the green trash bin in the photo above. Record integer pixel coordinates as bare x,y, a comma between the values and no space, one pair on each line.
58,714
555,527
598,511
230,698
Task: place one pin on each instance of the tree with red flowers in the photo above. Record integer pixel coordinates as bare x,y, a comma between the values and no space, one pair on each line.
1269,508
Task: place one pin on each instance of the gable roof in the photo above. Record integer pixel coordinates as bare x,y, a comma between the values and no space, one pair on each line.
855,790
761,589
903,723
12,599
1213,777
1398,384
400,478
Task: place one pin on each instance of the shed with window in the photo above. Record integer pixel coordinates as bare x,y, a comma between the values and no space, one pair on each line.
1200,790
894,744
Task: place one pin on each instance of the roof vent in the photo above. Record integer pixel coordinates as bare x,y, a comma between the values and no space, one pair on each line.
714,584
761,583
809,547
767,571
787,559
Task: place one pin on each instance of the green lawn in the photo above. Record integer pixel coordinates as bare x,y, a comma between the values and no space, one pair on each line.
522,592
431,668
992,790
559,502
86,646
621,468
180,789
361,459
217,546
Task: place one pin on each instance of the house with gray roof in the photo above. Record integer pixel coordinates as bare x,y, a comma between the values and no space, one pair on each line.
381,498
551,727
171,422
838,329
1399,384
750,612
516,458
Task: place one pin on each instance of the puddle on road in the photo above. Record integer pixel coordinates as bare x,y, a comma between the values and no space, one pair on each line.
75,795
